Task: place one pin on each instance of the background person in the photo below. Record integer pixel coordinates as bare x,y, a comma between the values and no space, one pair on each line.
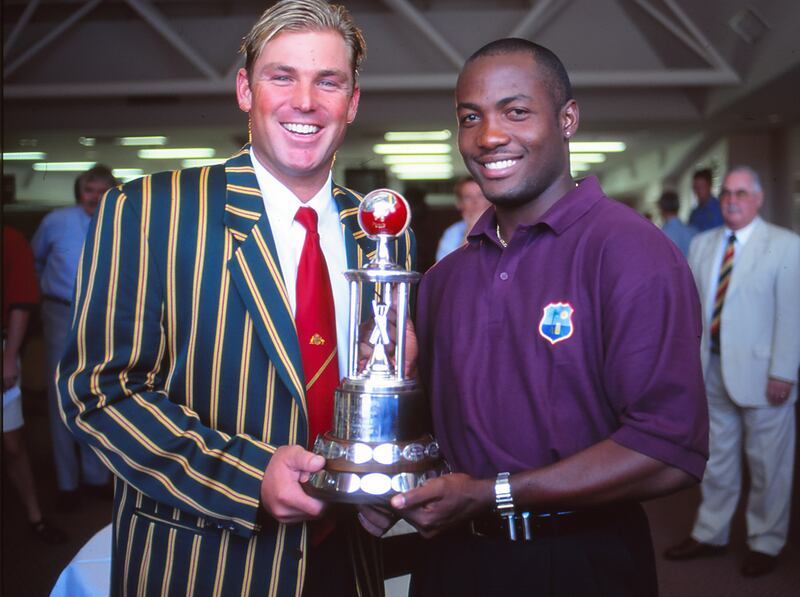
57,247
470,203
676,231
748,275
20,295
707,214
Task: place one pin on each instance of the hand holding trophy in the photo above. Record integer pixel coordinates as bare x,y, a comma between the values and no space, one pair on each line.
379,444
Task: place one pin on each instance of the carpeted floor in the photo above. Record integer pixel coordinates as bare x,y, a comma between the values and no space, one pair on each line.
30,568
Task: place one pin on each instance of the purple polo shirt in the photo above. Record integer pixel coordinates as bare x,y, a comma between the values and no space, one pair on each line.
586,327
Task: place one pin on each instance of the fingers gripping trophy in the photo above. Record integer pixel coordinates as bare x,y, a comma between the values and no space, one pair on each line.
379,444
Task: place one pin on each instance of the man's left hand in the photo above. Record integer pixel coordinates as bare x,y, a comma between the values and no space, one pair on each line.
444,502
778,391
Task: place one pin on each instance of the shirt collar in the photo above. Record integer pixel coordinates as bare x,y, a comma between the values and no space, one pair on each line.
282,204
743,234
565,212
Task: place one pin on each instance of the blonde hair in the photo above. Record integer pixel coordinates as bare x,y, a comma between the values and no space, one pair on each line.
301,16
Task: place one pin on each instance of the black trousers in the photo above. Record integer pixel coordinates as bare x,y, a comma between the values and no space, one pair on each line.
611,557
347,558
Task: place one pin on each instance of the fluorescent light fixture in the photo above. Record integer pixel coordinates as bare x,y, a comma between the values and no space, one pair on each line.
62,166
127,173
414,168
410,148
24,155
418,135
176,153
87,141
596,146
198,163
425,176
587,158
391,160
138,141
580,167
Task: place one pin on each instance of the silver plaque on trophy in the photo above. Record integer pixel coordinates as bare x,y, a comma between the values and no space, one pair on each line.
379,444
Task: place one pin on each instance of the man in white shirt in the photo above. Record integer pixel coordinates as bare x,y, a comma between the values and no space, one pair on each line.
471,204
748,275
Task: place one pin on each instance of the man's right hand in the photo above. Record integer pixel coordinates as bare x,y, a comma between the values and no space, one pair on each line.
281,493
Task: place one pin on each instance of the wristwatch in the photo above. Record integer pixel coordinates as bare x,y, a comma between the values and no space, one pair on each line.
504,502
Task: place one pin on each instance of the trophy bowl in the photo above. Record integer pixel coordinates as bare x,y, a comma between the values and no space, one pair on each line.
379,444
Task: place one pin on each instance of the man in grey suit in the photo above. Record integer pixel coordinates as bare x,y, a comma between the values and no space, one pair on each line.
748,275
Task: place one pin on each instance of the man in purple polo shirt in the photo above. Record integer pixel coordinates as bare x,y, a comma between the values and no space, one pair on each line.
560,351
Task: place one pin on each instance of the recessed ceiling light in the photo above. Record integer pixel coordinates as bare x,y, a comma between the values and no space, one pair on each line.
596,146
87,141
443,135
146,140
198,163
410,168
417,159
424,176
62,166
409,148
24,155
176,153
587,158
127,172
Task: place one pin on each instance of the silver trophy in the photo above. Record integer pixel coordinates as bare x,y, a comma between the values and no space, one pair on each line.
379,444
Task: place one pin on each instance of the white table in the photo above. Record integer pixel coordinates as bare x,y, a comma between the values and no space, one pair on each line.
89,572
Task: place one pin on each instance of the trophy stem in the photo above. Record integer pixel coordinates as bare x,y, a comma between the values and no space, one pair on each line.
400,332
355,314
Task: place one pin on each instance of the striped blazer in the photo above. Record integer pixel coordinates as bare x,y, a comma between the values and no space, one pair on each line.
183,372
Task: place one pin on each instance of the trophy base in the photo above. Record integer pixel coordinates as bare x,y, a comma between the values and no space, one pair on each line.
371,473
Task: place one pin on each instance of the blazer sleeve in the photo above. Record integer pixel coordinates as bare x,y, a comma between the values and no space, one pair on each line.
785,357
112,378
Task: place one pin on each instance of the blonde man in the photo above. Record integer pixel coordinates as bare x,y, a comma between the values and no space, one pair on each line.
199,397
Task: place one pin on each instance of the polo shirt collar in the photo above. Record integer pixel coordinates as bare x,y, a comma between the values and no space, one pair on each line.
565,212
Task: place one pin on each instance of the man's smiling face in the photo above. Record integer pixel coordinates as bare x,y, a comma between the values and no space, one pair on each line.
301,95
510,133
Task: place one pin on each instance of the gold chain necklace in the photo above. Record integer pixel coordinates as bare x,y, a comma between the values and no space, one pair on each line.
500,238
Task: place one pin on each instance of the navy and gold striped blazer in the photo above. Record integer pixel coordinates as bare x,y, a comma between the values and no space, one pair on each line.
183,372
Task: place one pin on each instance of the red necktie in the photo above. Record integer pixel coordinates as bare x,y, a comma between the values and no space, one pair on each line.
315,318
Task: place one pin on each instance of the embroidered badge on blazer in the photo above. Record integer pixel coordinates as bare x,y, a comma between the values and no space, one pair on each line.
556,323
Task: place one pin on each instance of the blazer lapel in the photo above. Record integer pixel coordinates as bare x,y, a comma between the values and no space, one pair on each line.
707,263
256,273
360,249
748,260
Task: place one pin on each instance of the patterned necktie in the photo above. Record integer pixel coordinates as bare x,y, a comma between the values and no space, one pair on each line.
722,288
315,318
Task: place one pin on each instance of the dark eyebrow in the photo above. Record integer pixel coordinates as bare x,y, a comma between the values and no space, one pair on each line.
500,103
467,106
512,98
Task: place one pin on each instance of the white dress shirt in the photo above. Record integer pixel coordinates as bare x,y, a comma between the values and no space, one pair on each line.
742,236
281,206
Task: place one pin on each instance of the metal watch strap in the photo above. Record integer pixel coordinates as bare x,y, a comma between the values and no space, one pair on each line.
504,502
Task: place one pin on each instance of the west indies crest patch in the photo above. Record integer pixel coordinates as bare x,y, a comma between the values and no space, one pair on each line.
556,323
